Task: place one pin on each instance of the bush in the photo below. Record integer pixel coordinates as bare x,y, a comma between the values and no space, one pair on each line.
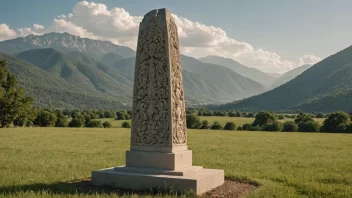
216,126
123,115
263,118
205,124
109,114
29,123
230,126
250,115
273,126
303,117
193,121
310,126
232,114
126,125
250,127
20,121
319,115
290,126
94,124
77,121
336,122
281,117
107,124
239,128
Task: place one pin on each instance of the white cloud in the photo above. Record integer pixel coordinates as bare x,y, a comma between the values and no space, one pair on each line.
97,21
309,59
6,33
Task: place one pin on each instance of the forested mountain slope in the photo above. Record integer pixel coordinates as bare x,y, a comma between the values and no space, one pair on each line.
324,87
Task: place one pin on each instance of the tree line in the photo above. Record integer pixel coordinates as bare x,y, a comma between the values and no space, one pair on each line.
336,122
237,113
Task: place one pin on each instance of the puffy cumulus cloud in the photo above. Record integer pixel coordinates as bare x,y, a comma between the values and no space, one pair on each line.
97,21
309,59
198,40
114,24
36,29
6,33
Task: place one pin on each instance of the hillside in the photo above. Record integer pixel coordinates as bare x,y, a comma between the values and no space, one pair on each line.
289,75
63,42
251,73
324,87
51,91
206,82
88,75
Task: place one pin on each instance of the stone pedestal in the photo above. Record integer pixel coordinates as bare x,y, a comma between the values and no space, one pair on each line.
159,157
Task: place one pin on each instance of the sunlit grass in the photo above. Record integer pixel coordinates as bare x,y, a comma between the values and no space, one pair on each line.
40,161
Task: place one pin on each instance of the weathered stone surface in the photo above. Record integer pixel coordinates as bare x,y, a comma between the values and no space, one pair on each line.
167,161
159,156
158,97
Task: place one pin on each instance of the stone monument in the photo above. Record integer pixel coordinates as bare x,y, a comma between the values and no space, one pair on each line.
159,156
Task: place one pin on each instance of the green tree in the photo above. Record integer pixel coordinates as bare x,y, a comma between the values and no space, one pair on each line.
193,121
126,125
77,121
94,124
45,118
20,121
62,120
281,117
13,100
310,126
336,122
290,126
107,124
319,115
272,126
250,115
216,126
303,117
205,124
263,118
231,126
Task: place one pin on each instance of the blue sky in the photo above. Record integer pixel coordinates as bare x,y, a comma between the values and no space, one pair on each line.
290,29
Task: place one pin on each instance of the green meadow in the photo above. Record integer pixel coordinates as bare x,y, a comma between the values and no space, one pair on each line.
43,162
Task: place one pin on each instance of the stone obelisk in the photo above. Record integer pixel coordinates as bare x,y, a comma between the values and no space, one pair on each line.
159,156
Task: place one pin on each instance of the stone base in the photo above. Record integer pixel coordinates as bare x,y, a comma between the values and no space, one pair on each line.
159,160
191,178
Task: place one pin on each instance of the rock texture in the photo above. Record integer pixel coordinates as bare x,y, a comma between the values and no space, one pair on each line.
158,98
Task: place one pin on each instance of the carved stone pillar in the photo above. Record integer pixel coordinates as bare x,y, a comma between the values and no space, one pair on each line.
159,156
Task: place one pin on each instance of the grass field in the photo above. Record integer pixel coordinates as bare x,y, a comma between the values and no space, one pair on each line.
239,121
40,162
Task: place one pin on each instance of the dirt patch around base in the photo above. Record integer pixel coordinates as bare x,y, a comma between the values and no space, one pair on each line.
230,188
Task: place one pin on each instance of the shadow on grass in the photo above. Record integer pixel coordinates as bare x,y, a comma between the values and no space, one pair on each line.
85,187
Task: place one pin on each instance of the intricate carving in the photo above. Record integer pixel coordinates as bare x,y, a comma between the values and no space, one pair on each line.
151,88
177,99
158,99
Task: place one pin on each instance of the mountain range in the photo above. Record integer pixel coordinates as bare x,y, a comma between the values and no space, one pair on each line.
63,42
64,71
324,87
263,78
100,69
